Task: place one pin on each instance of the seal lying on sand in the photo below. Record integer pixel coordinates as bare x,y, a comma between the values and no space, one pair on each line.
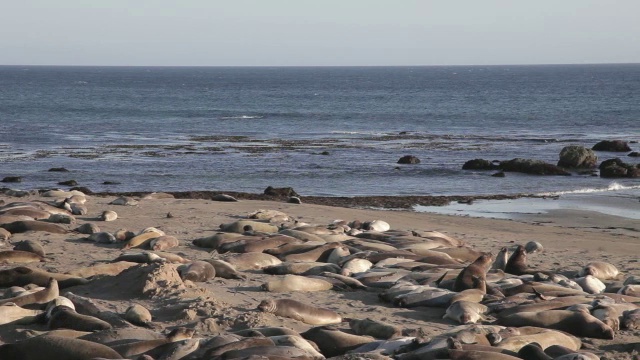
49,347
299,311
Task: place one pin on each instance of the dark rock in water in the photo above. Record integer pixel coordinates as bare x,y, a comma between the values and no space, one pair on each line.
409,159
111,182
612,145
294,200
12,179
499,174
530,166
68,183
479,164
634,154
577,157
83,189
60,169
616,168
324,153
280,192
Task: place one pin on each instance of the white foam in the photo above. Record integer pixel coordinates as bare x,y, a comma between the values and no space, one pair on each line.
614,186
242,117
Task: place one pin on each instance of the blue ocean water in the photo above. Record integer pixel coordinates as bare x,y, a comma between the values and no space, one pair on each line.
244,128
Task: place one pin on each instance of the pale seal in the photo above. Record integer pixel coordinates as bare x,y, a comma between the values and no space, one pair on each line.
108,215
333,342
575,323
163,243
40,297
377,329
466,312
11,313
600,269
138,315
19,257
290,283
299,311
198,271
44,347
63,317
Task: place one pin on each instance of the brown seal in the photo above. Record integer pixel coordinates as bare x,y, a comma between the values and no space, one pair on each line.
163,242
238,345
138,315
290,283
13,314
333,342
19,257
299,311
225,270
21,276
48,347
198,271
33,225
517,264
465,280
130,349
31,246
64,317
577,323
377,329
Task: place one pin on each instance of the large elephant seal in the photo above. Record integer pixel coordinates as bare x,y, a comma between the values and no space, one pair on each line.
13,314
32,246
198,271
63,317
466,312
600,269
21,276
333,342
43,296
130,349
49,347
465,280
19,257
302,312
163,243
225,270
377,329
33,225
577,323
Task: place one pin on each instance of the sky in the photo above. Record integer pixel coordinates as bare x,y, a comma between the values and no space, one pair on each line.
318,32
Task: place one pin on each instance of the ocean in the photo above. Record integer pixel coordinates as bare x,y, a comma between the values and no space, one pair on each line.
324,131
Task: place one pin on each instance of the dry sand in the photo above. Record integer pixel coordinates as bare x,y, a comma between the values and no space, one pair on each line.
570,239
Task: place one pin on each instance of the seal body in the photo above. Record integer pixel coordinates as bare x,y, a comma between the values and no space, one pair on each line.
48,347
296,283
198,271
299,311
465,280
600,269
517,264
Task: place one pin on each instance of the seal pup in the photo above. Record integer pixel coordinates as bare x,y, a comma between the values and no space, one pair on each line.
298,342
299,311
125,201
465,279
500,263
138,315
591,284
225,270
163,243
108,215
87,228
198,271
33,246
466,312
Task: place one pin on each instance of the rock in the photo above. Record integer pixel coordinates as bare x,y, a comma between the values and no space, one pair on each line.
499,174
280,192
479,164
530,166
616,168
59,169
325,153
634,154
612,145
576,156
12,179
83,189
111,182
409,159
68,183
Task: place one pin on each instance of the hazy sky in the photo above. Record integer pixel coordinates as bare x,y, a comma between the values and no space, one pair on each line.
318,32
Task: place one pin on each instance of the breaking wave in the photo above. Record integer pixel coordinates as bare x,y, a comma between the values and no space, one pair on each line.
614,186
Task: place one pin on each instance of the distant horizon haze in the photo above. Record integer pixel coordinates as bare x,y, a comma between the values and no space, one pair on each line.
310,33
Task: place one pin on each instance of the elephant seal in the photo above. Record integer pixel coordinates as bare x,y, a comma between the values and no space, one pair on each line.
591,284
575,323
245,343
33,246
175,350
299,311
142,257
517,263
11,313
225,270
478,269
4,235
545,337
49,293
124,200
355,266
301,268
130,349
138,315
143,239
163,242
214,241
296,283
46,347
333,342
198,271
88,228
600,269
377,329
108,215
251,261
33,225
239,227
500,262
19,257
102,237
171,257
21,276
298,342
63,317
466,312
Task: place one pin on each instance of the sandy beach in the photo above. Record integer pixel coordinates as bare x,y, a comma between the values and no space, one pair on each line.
571,239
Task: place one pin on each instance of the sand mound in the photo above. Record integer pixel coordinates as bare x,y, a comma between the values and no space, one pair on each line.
141,281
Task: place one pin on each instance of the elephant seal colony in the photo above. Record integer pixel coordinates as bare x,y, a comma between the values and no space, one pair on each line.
275,280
